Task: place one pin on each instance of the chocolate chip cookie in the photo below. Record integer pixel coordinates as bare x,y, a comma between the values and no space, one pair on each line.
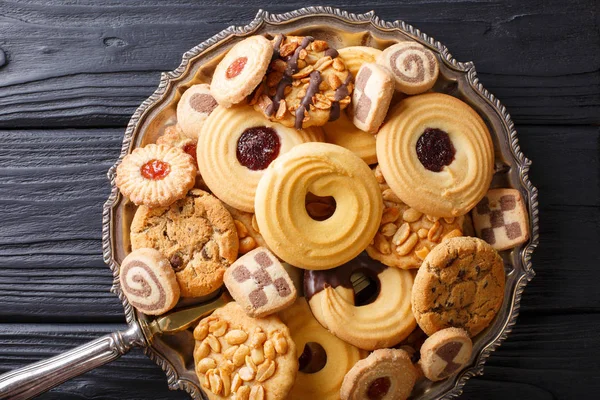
460,284
196,234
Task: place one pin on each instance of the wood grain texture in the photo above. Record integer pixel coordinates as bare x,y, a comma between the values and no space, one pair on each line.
531,364
92,65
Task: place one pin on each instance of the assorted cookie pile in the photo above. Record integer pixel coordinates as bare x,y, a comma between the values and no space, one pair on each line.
336,197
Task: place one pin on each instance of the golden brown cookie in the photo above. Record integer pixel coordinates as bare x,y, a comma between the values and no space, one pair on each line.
406,235
324,170
436,154
148,281
156,175
324,358
343,133
387,374
236,146
249,358
307,84
355,56
445,353
460,284
384,322
196,234
175,137
193,108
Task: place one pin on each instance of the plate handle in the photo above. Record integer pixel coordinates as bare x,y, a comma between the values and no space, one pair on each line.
36,378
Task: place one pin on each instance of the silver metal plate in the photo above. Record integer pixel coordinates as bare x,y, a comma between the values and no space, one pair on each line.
174,352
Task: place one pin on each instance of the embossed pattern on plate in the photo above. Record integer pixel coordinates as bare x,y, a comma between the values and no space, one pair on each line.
173,353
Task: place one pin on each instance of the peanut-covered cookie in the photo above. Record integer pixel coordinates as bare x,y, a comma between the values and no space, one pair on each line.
196,234
460,284
237,356
307,84
405,235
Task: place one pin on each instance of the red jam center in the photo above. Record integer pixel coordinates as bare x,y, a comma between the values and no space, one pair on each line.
258,147
155,170
378,388
435,149
191,150
236,67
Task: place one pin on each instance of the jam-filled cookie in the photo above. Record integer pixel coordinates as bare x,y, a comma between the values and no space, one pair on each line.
355,56
175,137
387,374
445,353
325,170
307,84
384,322
414,67
156,175
148,281
323,358
193,108
196,234
237,356
235,148
241,70
460,284
436,154
406,235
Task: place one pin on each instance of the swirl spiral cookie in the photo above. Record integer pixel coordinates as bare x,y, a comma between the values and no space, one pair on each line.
406,235
324,170
148,281
196,234
307,84
338,357
436,154
414,68
236,146
156,175
460,284
384,322
237,356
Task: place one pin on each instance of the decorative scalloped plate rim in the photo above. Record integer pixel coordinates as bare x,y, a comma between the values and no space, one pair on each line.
264,17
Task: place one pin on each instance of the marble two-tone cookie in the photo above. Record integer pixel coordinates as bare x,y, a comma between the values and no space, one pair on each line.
413,66
445,353
148,281
372,95
500,218
259,283
193,108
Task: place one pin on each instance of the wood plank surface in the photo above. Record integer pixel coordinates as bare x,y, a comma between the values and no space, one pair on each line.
93,64
72,73
532,364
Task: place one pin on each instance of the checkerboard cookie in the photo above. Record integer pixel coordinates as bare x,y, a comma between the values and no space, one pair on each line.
445,353
259,283
372,95
500,219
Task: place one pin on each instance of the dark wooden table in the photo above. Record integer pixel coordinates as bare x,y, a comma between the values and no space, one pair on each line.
71,74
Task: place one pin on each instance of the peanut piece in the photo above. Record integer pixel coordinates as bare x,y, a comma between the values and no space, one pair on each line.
203,350
401,234
381,244
281,345
265,370
435,232
254,223
246,244
257,356
213,343
451,234
228,354
389,195
408,245
411,215
422,252
269,350
338,65
201,331
246,374
243,393
236,382
218,328
390,214
250,364
422,233
239,357
258,339
319,45
216,384
236,336
388,229
257,393
205,364
226,379
281,110
242,232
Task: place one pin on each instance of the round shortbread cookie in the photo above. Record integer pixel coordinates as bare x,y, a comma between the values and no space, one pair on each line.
325,170
236,146
196,234
387,374
460,284
156,175
436,154
445,353
373,91
193,108
338,357
241,70
414,67
148,281
355,56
